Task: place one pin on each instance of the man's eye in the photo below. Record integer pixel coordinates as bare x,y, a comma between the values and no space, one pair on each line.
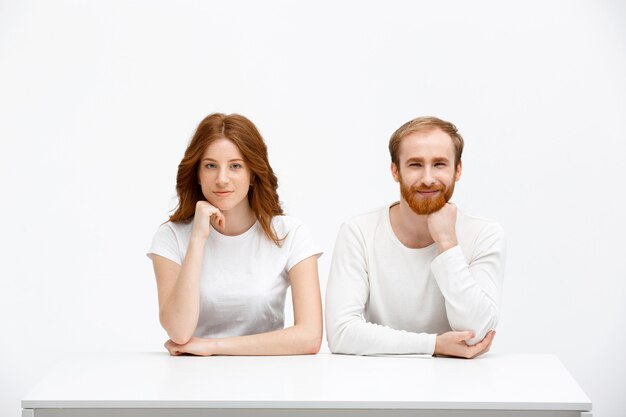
440,164
415,164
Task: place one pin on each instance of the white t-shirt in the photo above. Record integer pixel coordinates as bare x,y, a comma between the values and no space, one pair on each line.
385,298
244,278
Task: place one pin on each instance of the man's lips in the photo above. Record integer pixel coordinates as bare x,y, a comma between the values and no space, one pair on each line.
428,193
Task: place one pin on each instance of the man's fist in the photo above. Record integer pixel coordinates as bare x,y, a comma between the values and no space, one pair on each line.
455,344
442,227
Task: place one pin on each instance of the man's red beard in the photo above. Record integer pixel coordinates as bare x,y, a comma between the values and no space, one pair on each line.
425,205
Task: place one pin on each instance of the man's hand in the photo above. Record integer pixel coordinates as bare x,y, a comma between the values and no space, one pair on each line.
455,344
195,346
442,227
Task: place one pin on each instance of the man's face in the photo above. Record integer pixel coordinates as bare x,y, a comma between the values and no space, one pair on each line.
426,170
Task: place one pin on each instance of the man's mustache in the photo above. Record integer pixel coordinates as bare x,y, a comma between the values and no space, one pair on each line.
417,188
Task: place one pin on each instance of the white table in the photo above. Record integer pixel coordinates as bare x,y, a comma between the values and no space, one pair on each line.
156,384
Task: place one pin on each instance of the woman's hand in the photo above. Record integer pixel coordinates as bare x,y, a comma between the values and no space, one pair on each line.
196,346
202,219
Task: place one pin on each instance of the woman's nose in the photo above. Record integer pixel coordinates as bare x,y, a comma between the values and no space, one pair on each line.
222,177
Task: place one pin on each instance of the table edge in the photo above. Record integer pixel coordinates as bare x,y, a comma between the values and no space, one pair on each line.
427,405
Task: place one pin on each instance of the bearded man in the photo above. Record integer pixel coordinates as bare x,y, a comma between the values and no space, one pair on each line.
417,276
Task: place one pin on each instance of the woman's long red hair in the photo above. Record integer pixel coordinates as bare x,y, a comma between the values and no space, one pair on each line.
262,196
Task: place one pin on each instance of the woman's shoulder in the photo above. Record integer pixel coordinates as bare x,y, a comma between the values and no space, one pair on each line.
176,228
297,238
285,223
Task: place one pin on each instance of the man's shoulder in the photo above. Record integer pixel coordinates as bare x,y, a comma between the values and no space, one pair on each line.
363,227
368,219
475,226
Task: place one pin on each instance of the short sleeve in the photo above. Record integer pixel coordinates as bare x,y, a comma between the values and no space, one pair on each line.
301,245
165,244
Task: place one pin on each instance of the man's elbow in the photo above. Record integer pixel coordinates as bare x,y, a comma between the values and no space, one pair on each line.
335,343
483,327
334,347
490,322
339,346
337,337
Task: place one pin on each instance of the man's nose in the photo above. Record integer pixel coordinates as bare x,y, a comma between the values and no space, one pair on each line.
428,179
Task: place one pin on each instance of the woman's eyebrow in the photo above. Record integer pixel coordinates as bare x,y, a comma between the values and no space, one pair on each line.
215,160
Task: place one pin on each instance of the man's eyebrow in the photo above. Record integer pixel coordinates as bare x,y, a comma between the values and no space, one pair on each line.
436,159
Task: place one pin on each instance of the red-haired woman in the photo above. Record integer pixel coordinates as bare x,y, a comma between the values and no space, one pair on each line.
224,260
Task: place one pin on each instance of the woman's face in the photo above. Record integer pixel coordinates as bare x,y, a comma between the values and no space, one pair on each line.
224,176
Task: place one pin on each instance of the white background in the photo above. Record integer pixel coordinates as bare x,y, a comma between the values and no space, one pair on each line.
99,99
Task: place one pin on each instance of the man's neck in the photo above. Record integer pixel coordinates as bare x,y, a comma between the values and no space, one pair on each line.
410,228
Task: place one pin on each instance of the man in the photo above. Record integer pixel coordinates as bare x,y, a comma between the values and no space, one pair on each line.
417,276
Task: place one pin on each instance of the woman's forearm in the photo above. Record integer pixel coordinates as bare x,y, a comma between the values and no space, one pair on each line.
179,314
295,340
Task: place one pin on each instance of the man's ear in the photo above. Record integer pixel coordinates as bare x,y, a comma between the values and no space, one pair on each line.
394,172
459,168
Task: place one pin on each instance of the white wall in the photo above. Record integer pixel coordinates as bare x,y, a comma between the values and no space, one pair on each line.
98,100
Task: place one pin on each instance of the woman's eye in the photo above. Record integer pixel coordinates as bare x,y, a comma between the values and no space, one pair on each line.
210,166
236,166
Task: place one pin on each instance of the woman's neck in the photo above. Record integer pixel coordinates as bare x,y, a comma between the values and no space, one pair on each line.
236,220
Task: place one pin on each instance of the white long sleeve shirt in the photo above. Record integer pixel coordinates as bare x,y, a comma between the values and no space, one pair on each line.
385,298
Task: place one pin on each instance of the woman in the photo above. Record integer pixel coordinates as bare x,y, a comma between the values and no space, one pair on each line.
224,260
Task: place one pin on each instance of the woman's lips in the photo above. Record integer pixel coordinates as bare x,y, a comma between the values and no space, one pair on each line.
222,193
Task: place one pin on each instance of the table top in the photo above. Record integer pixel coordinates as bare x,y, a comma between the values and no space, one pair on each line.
157,380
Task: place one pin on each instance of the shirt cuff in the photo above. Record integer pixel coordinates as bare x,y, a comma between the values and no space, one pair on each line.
432,341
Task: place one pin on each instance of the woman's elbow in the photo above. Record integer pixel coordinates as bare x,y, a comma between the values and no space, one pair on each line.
311,342
313,346
176,335
180,339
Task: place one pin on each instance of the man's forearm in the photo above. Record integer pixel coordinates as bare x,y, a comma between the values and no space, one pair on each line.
469,306
358,337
